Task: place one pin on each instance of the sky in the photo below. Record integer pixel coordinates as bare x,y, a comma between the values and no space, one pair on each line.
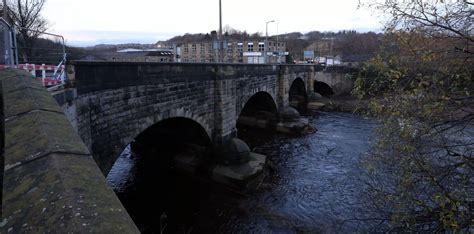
90,22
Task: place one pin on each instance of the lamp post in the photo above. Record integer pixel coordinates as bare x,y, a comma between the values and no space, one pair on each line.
266,39
5,14
220,55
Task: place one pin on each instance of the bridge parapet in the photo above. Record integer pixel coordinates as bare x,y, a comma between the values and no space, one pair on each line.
51,182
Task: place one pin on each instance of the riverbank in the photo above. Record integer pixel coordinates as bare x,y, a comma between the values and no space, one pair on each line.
346,103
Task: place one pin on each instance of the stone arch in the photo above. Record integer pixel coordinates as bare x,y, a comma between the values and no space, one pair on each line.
260,105
175,145
163,115
175,131
323,88
245,99
297,94
259,111
146,123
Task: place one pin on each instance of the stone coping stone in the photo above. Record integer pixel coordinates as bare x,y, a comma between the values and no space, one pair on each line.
17,79
51,182
37,134
22,101
61,193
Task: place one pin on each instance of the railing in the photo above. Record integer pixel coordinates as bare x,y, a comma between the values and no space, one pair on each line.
52,81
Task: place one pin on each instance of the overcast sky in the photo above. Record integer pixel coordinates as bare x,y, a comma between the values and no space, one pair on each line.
89,22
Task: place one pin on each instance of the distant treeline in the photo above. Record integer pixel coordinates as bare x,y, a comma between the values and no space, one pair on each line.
350,45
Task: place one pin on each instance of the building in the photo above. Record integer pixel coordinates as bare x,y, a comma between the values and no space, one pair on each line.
250,51
142,55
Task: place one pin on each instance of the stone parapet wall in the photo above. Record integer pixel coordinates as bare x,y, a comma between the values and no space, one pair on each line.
51,183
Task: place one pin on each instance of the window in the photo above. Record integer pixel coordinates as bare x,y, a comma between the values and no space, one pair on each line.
229,48
186,49
240,47
193,48
203,48
261,47
211,48
250,47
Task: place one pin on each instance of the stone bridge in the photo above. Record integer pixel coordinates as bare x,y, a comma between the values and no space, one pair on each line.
116,102
50,180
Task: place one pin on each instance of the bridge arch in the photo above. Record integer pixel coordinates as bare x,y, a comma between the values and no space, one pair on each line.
260,101
161,177
175,133
247,96
106,163
260,110
323,88
298,96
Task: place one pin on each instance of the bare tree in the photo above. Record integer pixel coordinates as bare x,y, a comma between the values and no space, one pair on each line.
435,18
26,15
420,173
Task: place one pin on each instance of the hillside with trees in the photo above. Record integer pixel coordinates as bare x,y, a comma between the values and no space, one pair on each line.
349,44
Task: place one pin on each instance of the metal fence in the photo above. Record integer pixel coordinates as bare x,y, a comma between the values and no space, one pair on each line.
8,47
45,59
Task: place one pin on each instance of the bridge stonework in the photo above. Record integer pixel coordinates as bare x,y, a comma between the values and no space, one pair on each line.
117,101
339,78
51,183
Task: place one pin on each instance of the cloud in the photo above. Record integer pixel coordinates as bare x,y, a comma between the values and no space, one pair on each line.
90,38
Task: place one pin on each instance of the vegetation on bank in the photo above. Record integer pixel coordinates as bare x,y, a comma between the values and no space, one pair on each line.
420,173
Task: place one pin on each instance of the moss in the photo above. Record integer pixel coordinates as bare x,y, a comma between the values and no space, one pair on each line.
62,193
43,191
39,133
25,100
19,81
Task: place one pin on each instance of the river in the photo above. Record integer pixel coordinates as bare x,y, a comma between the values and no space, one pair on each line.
312,186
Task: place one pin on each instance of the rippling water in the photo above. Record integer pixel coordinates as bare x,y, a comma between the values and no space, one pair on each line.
312,186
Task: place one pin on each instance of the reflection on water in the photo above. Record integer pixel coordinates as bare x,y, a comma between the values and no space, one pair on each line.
311,186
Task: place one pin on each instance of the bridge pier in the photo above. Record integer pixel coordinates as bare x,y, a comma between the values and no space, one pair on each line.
236,164
292,122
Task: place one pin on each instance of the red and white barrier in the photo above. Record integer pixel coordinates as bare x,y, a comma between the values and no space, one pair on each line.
34,69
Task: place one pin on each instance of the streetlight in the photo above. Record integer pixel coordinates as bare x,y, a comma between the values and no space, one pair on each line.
5,14
220,53
266,39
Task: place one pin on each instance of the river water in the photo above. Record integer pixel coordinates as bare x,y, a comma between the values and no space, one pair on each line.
311,186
